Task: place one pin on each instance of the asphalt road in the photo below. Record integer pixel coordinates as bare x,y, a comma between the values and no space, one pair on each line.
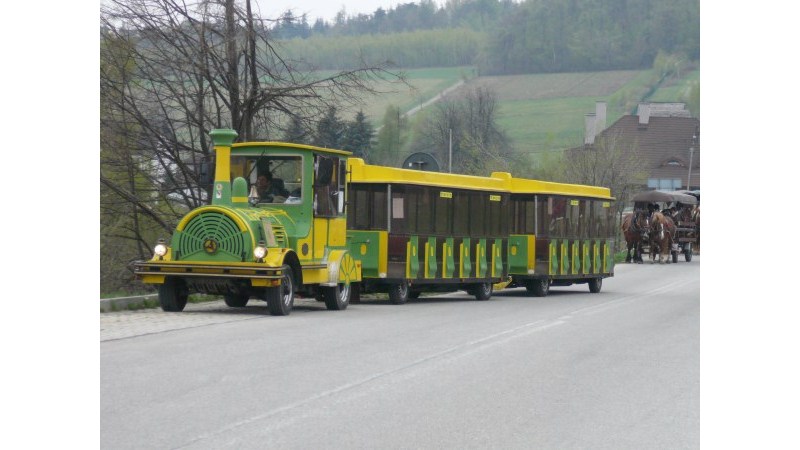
614,370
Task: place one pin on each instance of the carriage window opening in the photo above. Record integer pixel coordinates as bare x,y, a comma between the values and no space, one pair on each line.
379,216
495,215
424,210
360,202
461,213
399,221
477,214
443,212
542,217
412,200
277,178
573,217
558,217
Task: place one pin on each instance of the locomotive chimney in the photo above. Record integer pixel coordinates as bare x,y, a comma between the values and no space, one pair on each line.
221,190
644,113
589,129
600,121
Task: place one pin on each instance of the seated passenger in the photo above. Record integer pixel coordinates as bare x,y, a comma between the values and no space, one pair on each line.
269,188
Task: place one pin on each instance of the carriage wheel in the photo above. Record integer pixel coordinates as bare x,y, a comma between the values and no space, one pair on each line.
236,300
595,284
483,291
687,254
538,288
675,256
398,293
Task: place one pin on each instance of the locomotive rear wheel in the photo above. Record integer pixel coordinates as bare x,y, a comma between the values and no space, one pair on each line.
595,284
172,295
483,291
336,297
539,288
280,299
398,293
236,300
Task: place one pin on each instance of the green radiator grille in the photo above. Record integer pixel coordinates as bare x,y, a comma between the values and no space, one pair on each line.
212,235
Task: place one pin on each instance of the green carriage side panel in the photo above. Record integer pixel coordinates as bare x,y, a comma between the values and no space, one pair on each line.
497,258
518,254
412,259
431,266
481,266
365,246
587,257
564,257
448,263
576,257
596,255
554,257
607,257
465,265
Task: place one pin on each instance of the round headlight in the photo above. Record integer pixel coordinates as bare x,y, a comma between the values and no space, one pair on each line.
260,252
160,250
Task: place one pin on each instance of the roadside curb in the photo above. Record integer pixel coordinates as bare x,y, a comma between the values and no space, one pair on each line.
121,303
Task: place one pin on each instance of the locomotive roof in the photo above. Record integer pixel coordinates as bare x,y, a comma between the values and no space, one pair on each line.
292,146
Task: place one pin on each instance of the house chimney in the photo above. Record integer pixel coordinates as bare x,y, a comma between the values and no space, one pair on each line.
644,113
600,121
589,130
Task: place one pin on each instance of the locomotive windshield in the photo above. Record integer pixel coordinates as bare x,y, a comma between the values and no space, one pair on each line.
277,179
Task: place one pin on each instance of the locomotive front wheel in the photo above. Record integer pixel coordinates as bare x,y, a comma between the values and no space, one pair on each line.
172,295
595,284
398,293
336,297
483,291
539,288
280,299
236,300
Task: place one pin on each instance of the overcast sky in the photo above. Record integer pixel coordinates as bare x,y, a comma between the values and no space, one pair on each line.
327,9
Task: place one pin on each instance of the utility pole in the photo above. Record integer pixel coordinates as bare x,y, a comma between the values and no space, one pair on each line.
691,160
450,153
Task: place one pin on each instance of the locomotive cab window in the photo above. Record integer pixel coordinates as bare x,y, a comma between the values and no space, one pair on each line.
275,178
329,176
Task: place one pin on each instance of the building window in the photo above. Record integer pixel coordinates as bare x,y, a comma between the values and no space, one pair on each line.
665,184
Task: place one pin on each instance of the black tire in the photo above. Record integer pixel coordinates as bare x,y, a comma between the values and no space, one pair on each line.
336,297
483,291
595,284
280,299
675,256
539,287
399,292
236,300
687,255
172,295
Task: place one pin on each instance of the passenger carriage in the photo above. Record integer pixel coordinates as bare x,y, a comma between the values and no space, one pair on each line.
560,234
686,232
417,231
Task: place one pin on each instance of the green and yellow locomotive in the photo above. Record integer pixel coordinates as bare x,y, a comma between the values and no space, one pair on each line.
276,226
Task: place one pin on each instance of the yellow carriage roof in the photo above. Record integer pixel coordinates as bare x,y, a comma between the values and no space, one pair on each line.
526,186
361,172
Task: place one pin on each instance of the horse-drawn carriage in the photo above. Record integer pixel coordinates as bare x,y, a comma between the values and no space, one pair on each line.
663,224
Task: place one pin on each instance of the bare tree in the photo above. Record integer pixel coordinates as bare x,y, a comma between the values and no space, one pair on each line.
611,162
171,71
479,146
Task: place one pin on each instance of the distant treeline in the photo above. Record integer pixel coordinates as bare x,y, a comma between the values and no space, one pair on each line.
501,36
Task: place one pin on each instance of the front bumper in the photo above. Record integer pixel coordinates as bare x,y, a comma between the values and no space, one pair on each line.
154,272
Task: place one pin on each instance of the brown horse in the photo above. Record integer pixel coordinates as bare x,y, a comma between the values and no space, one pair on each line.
635,227
662,233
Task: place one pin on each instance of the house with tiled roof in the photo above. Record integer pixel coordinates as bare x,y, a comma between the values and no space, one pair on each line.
664,135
